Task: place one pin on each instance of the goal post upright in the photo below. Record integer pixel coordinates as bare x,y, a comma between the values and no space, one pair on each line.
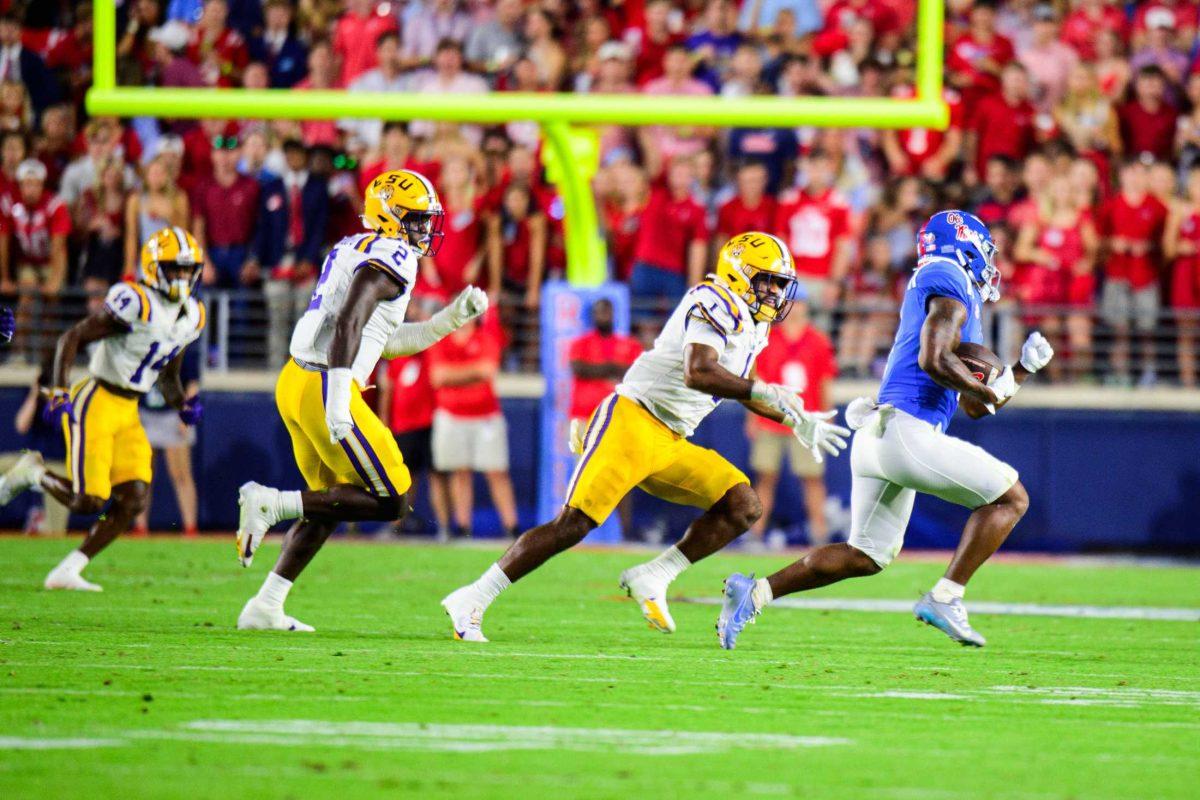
554,111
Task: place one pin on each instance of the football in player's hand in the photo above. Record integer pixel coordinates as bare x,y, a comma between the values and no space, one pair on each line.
983,363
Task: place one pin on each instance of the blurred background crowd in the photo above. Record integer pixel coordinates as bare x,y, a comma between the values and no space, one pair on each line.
1074,133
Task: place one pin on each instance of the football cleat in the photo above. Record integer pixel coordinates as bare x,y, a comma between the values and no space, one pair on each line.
257,515
650,593
257,616
737,609
24,473
71,581
466,615
949,618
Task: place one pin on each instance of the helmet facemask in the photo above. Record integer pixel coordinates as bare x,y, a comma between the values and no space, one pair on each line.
773,295
980,260
176,280
423,229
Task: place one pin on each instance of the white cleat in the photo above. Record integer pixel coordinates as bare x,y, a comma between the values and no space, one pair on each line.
466,615
24,474
650,592
257,515
257,617
73,581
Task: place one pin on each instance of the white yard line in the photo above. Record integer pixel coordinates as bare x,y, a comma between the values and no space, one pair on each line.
26,743
977,607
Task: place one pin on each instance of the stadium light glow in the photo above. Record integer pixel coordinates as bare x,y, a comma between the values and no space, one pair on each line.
585,254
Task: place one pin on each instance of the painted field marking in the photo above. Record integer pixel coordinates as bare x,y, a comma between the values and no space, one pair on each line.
1011,609
436,737
26,743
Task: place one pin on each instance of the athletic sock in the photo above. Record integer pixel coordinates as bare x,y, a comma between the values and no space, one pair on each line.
946,590
274,590
38,473
289,505
761,595
669,564
491,584
73,563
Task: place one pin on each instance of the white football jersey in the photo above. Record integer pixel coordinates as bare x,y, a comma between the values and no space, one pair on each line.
159,330
708,314
314,331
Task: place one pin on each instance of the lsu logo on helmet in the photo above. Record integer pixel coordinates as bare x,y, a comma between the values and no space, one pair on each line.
171,263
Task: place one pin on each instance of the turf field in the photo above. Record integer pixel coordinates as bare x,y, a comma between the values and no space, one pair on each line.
147,690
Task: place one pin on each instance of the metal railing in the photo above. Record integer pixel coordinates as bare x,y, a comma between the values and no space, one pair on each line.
1089,349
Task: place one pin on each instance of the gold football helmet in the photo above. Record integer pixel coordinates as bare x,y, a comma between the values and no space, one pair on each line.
758,267
404,203
171,264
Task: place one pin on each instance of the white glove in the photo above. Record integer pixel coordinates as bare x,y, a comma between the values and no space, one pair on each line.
1036,352
1004,386
819,435
337,404
470,303
779,398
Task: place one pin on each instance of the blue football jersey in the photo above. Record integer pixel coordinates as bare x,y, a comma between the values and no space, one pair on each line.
905,385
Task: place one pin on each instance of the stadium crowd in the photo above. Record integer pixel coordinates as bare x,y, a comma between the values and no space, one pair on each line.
1075,127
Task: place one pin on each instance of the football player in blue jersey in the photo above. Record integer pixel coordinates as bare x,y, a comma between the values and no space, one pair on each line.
900,444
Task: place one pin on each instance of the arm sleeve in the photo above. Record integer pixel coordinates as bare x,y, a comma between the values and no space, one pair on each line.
126,303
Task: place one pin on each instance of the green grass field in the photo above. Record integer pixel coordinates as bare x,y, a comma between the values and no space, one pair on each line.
147,690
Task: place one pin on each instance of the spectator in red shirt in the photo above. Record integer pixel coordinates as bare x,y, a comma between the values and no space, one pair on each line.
1132,224
800,357
924,151
1004,122
815,223
219,50
623,216
225,216
1182,16
977,57
469,431
355,35
459,260
654,38
33,242
671,251
599,360
870,321
406,405
1085,23
751,209
1148,121
997,197
517,245
1182,244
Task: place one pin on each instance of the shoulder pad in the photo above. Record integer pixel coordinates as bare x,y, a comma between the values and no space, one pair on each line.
129,302
717,306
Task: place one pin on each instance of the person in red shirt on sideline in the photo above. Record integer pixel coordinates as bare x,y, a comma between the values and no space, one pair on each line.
354,37
1057,251
976,58
815,223
599,360
800,357
672,243
1132,224
406,405
1182,243
469,431
1147,122
1004,123
924,151
751,209
225,216
460,258
34,225
219,51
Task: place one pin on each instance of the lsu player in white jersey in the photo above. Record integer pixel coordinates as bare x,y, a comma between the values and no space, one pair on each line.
347,456
140,333
639,435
